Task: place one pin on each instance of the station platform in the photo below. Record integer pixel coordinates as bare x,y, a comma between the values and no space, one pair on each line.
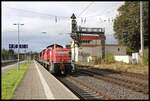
38,83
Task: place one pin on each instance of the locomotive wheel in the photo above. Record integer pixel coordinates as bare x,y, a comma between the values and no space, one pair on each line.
51,67
47,66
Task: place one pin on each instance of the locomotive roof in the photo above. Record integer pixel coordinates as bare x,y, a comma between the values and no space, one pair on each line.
53,46
43,50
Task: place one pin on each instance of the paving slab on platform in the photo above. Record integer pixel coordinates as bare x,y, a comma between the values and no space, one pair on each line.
38,83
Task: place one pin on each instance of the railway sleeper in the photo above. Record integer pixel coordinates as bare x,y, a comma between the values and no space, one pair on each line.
124,80
93,89
124,84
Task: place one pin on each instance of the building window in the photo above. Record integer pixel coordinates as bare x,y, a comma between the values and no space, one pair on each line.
84,41
118,49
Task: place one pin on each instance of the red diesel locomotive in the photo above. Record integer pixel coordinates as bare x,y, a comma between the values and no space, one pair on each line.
56,59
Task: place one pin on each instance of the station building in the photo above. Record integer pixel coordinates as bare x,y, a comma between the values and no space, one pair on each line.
90,47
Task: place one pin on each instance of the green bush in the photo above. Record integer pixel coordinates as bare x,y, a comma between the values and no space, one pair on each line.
129,51
109,59
97,60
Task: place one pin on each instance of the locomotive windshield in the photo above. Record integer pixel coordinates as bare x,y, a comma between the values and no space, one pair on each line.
52,46
62,52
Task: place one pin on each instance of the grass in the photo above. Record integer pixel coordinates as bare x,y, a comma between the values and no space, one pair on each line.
136,68
11,80
120,66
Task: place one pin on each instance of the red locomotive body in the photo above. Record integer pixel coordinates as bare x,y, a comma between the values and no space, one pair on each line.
57,59
46,55
42,54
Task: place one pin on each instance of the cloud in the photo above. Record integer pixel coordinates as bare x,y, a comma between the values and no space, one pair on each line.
36,18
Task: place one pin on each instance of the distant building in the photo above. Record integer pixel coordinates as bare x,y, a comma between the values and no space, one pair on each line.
90,46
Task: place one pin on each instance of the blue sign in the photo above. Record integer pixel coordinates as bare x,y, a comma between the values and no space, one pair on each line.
16,46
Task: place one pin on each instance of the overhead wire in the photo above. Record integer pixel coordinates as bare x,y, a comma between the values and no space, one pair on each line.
85,8
106,10
57,15
109,20
37,12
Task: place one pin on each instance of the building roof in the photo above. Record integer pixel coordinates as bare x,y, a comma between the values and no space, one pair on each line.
89,37
94,45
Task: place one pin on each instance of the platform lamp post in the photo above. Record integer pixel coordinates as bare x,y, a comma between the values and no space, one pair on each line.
44,32
18,43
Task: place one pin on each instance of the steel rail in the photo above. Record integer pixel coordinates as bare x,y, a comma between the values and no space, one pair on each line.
119,82
92,88
130,74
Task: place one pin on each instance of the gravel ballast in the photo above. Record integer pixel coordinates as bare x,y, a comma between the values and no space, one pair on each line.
113,89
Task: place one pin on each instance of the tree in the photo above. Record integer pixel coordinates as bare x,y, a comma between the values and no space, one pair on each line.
127,25
35,55
11,54
8,54
4,54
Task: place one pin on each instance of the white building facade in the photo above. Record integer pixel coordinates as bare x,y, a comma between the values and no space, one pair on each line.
90,46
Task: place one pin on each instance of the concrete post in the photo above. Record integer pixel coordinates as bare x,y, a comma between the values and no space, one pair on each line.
103,45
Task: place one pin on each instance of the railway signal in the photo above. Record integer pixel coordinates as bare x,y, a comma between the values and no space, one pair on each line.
77,31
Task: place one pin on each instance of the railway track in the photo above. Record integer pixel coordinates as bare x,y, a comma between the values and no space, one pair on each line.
84,90
130,74
134,85
8,62
138,75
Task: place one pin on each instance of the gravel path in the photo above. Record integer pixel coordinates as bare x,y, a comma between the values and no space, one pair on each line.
113,89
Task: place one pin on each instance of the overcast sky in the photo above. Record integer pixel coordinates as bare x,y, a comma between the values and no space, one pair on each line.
54,18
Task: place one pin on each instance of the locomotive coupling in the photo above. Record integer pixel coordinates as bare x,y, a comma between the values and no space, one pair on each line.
62,67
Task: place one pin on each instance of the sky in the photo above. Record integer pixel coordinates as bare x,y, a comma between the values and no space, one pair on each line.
54,19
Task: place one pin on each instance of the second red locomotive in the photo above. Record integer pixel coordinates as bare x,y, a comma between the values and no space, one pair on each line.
56,59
